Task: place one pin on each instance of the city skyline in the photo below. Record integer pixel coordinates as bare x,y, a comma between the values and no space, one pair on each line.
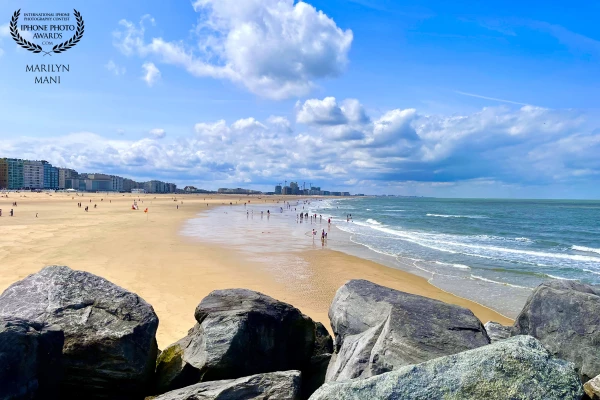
371,96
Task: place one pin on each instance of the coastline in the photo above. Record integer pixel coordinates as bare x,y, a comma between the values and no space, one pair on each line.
147,255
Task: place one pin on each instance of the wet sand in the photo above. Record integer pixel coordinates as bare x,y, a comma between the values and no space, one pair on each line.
146,254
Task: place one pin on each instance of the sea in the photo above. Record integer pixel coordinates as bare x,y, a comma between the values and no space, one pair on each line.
492,251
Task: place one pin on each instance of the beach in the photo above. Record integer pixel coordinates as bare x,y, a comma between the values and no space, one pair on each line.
146,253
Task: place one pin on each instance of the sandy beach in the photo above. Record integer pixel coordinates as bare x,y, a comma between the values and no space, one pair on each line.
146,254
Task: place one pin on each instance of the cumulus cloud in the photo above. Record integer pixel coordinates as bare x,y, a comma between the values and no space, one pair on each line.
275,48
494,146
151,73
114,68
158,133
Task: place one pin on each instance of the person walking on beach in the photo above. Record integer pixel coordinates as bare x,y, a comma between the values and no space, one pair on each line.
12,212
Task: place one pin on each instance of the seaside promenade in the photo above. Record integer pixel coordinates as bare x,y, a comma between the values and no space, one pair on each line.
146,254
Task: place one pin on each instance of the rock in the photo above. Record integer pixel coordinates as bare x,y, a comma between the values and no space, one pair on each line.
565,317
30,359
239,333
323,341
109,333
496,331
378,329
515,368
270,386
172,372
592,388
313,377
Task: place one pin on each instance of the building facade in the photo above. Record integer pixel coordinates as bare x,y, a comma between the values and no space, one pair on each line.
63,175
33,174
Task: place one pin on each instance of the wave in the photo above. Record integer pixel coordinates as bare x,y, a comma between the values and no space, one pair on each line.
374,222
459,266
396,210
592,272
585,249
481,278
561,278
455,216
436,239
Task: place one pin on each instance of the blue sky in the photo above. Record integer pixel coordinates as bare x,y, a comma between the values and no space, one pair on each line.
483,99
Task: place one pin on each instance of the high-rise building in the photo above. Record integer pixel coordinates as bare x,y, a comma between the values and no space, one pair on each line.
278,189
50,176
33,174
65,174
3,173
117,183
294,188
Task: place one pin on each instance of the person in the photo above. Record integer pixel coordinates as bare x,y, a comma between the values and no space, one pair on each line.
95,205
0,212
329,221
178,206
11,212
323,234
36,215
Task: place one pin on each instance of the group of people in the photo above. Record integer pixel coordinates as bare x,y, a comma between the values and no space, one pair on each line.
12,213
323,235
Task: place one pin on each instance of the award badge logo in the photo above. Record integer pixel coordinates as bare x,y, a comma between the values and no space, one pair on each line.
47,27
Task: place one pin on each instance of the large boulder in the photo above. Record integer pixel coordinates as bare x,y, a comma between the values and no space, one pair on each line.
378,329
314,376
565,317
239,333
519,368
270,386
497,331
109,333
592,388
30,359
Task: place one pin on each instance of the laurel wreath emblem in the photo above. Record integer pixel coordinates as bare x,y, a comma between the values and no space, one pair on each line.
35,48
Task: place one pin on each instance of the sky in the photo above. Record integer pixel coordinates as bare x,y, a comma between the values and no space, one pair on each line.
428,98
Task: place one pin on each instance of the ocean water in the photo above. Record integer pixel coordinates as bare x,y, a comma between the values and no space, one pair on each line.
493,252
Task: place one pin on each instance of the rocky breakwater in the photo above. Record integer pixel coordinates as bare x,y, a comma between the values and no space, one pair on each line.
68,334
378,329
239,333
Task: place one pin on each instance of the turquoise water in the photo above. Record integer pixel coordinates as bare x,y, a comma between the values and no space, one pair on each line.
517,242
493,252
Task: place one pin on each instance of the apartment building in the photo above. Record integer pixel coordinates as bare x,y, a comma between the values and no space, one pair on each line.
33,174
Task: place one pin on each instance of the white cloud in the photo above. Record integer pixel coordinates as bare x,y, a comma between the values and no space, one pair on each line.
275,48
495,146
114,68
151,74
158,133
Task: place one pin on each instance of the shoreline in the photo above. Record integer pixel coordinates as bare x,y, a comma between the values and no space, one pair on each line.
147,254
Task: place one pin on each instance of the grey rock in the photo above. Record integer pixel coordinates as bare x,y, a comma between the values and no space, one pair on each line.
378,329
239,333
592,388
519,368
565,317
109,347
30,359
270,386
497,331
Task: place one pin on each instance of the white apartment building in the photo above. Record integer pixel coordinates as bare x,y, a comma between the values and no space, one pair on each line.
33,174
